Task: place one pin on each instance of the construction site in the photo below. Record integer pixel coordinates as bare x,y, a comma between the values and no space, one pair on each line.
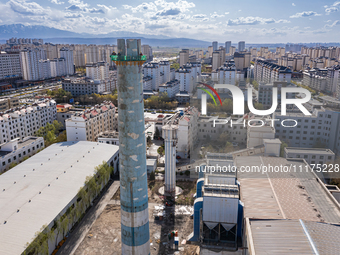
104,237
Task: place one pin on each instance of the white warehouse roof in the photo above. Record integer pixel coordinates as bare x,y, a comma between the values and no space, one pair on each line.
63,166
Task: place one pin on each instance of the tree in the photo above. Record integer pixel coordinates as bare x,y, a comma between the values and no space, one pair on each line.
157,133
175,66
160,151
255,84
282,150
148,141
152,176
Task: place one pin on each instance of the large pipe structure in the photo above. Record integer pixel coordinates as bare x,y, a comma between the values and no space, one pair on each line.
132,150
170,142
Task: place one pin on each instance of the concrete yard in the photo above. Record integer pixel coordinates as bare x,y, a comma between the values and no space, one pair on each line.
104,237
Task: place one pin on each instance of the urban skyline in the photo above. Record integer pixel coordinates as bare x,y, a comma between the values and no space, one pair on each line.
255,22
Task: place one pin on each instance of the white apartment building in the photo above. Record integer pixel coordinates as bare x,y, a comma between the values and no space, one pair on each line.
152,70
268,72
185,78
164,67
171,87
92,54
25,121
311,155
97,71
58,67
83,86
87,125
9,65
316,79
8,103
147,83
16,150
32,65
195,70
67,54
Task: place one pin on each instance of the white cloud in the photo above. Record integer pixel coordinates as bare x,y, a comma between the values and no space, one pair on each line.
215,15
253,21
23,7
226,13
333,8
199,17
142,7
56,2
335,23
106,8
293,4
305,14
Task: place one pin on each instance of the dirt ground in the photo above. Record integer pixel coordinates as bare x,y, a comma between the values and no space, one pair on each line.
105,235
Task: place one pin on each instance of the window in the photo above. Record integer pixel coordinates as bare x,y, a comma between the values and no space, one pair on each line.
321,157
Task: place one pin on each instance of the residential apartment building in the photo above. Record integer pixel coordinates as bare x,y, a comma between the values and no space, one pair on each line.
268,72
58,67
241,46
227,47
171,88
67,54
316,79
16,150
147,83
25,121
164,68
311,155
33,66
147,51
8,103
265,93
97,71
83,86
9,65
185,78
215,45
152,70
87,125
242,60
183,57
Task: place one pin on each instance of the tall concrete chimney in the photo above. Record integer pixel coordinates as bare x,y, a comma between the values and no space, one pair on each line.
132,151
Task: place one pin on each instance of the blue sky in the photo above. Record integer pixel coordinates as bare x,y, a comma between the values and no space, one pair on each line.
255,21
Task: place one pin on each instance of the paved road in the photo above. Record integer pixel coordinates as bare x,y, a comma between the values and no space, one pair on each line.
77,236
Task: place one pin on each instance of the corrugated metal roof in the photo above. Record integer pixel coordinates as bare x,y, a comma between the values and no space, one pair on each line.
326,237
279,237
277,195
59,172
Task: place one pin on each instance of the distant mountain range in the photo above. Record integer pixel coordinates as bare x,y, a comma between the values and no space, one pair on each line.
54,35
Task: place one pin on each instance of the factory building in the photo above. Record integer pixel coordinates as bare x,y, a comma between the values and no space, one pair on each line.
44,189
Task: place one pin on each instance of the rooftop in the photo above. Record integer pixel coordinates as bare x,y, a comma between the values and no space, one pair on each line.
284,195
36,191
318,151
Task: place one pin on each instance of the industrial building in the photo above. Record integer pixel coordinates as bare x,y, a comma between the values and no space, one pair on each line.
41,189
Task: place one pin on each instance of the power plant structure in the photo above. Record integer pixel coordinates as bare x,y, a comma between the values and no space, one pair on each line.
132,149
170,142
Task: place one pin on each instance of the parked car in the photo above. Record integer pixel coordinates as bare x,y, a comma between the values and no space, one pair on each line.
178,157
